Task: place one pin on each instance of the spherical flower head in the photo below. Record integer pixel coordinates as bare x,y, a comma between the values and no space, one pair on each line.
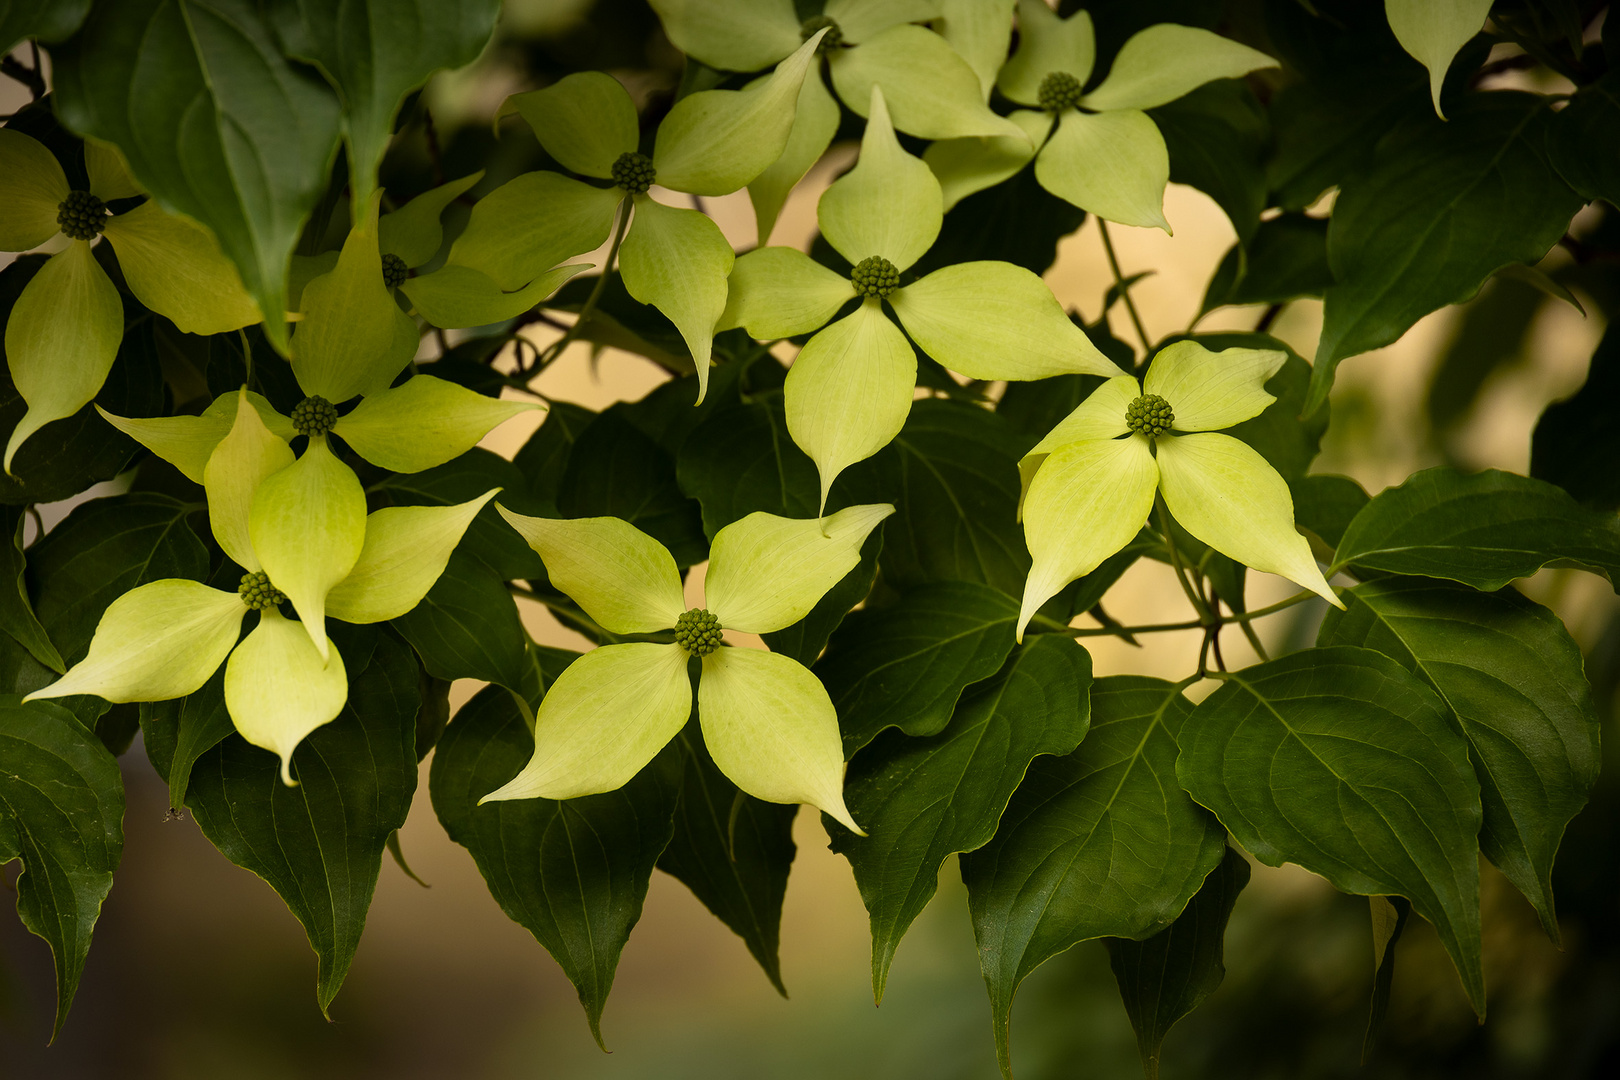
698,632
1059,91
875,276
811,26
394,270
314,416
634,173
257,592
81,215
1149,415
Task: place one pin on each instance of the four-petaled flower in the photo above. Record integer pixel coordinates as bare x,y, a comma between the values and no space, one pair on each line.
1105,154
767,721
300,531
850,389
1089,486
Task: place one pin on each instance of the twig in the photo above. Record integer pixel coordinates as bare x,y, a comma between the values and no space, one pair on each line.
1124,290
556,347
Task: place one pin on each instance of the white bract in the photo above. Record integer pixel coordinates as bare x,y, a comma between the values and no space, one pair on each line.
767,721
1098,149
850,389
1089,485
1432,31
300,530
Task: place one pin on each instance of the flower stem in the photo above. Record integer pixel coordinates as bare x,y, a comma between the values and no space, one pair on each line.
1241,617
585,312
1204,614
1124,290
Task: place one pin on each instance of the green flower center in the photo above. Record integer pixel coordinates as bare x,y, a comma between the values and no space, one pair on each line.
257,592
1149,415
1059,91
81,215
815,24
314,416
698,632
634,172
394,270
875,276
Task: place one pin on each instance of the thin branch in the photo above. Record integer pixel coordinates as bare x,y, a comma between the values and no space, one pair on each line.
556,347
1124,290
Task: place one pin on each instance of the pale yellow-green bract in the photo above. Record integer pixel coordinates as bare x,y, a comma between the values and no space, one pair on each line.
303,523
850,388
1098,149
767,721
1432,31
1089,485
65,328
934,91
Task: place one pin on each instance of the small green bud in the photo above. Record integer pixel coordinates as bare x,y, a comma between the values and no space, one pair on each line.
1149,415
394,270
314,416
1059,91
875,276
81,215
698,632
634,173
816,23
257,592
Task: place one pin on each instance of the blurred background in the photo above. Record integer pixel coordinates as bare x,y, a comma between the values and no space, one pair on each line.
198,971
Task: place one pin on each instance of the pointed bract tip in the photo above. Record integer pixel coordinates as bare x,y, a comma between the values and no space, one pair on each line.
286,770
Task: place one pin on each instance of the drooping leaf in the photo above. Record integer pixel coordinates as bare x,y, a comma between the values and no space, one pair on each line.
320,844
47,20
179,731
62,814
573,873
1482,529
1285,259
1100,843
374,54
467,626
923,800
1575,433
1380,797
213,121
543,459
1389,915
1580,132
1167,976
741,460
906,665
1217,137
16,610
1444,205
733,851
1513,678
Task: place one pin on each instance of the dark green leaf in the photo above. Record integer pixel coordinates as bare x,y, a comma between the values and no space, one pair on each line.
1341,761
1286,259
742,459
952,475
667,414
1101,843
68,455
16,611
374,53
1444,206
1482,529
1389,915
1035,407
733,851
1583,138
1573,436
1016,221
489,538
320,844
616,471
1326,503
214,122
923,800
179,731
573,873
1168,975
48,20
62,814
905,666
805,639
1512,677
1217,136
543,459
467,626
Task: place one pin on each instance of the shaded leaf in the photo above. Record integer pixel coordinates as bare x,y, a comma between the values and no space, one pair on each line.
467,626
1285,259
16,611
1574,434
616,471
1389,915
47,20
742,459
1326,503
489,538
923,800
544,458
1016,221
179,731
1217,136
1583,136
1380,797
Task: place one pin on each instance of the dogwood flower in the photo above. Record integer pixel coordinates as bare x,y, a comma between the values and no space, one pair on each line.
711,143
767,721
1099,150
1433,31
850,388
66,326
933,92
1090,484
300,531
